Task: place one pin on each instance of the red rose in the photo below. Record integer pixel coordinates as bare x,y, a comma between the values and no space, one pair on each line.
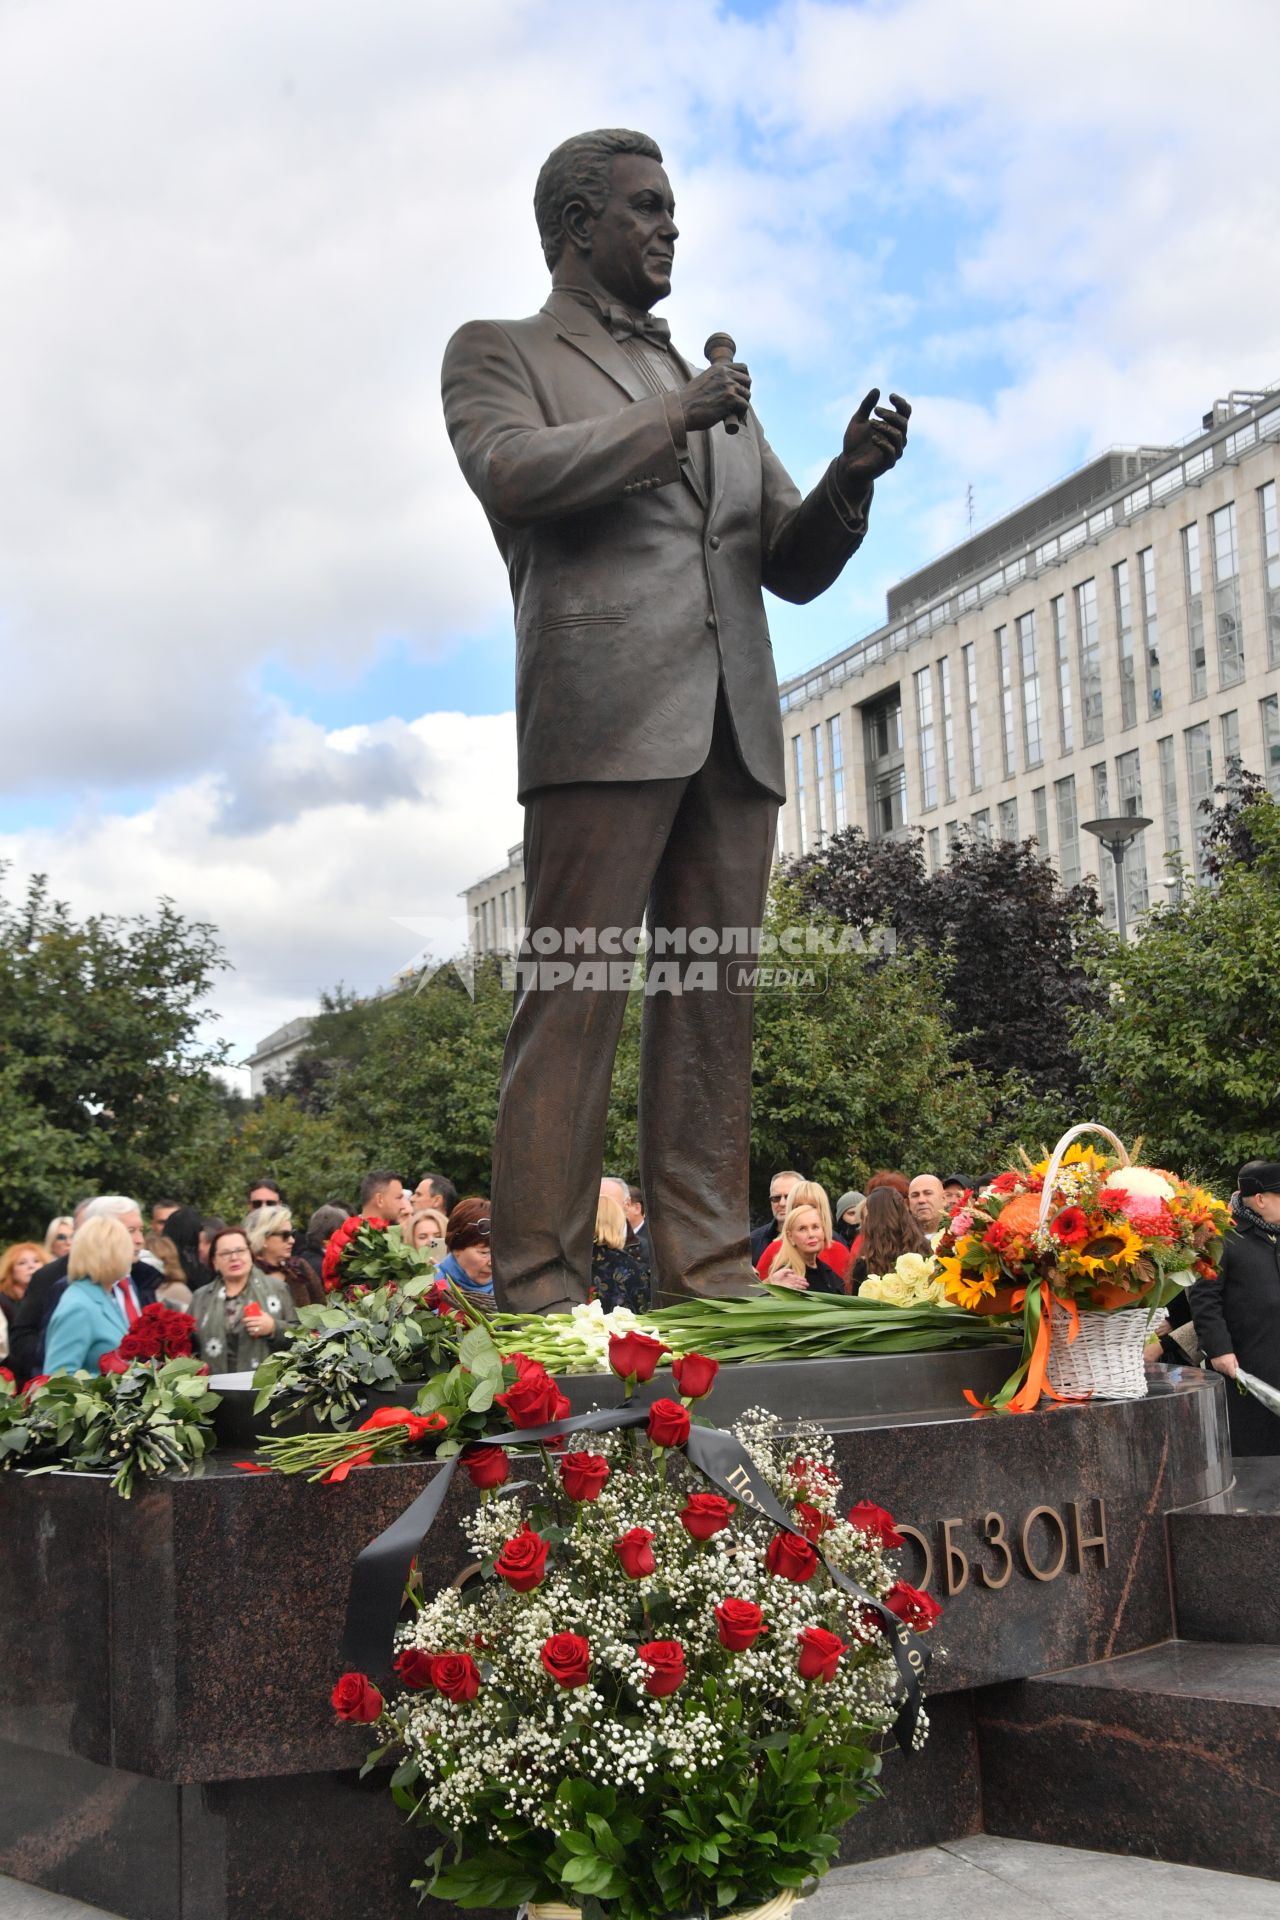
414,1667
813,1522
669,1423
338,1243
416,1425
706,1514
36,1381
740,1623
6,1376
878,1525
113,1362
915,1609
533,1402
526,1369
665,1661
523,1561
456,1676
487,1466
635,1553
634,1356
1071,1228
694,1375
791,1558
584,1474
567,1658
356,1698
819,1652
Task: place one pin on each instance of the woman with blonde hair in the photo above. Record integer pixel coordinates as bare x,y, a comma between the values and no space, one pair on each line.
57,1236
617,1279
88,1321
269,1231
834,1252
425,1232
801,1262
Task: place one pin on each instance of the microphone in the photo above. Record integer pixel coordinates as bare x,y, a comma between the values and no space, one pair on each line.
722,346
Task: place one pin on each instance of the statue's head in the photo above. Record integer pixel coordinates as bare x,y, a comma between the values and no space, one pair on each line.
604,200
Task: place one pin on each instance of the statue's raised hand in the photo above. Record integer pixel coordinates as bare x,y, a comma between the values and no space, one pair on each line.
875,438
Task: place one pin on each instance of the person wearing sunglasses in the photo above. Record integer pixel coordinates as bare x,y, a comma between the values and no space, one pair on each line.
468,1262
269,1231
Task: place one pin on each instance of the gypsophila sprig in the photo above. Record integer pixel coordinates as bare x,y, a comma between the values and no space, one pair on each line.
686,1739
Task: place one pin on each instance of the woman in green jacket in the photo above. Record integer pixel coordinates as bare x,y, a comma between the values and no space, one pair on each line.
243,1314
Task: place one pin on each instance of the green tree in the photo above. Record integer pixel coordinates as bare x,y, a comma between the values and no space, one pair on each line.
312,1157
1183,1050
105,1081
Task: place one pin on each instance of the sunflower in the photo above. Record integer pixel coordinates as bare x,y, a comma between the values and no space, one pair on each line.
1117,1246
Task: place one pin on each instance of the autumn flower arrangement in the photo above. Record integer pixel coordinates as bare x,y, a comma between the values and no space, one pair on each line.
649,1695
1110,1236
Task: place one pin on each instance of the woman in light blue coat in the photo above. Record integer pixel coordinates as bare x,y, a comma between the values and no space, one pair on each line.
88,1321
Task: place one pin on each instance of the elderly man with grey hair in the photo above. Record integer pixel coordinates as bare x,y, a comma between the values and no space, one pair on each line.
48,1285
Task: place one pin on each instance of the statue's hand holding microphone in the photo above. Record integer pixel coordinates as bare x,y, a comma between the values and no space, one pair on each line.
723,392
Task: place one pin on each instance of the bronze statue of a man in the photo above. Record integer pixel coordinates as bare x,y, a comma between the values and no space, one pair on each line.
640,511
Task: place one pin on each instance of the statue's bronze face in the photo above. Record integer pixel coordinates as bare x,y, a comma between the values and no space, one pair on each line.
632,242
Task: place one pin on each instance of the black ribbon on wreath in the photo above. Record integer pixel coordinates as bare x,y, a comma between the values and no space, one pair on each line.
381,1569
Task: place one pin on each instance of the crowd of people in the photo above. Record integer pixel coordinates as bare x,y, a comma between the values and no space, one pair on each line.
67,1301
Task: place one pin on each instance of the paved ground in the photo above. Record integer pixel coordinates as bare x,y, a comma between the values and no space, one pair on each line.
979,1879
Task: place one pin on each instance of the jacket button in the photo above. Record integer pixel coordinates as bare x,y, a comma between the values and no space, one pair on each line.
714,543
711,619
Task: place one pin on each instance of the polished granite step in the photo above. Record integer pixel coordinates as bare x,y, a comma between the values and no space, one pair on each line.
1223,1557
1172,1753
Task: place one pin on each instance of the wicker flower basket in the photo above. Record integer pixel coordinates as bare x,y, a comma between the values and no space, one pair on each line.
1104,1360
779,1908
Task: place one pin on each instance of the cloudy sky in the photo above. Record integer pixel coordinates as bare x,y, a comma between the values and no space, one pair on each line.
256,640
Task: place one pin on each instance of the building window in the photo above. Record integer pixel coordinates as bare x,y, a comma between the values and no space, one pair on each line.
1199,786
952,831
1040,811
820,782
1004,678
1150,632
1106,865
1271,566
835,739
1169,794
1032,733
886,772
1064,799
1124,645
797,758
981,823
1230,724
1195,608
925,739
891,801
948,731
1271,744
1226,595
1090,660
975,730
935,849
1007,815
1062,663
1129,782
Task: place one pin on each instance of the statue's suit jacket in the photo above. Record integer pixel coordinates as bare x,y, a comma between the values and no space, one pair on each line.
637,588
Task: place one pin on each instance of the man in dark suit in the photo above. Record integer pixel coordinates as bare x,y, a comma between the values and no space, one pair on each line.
637,534
49,1283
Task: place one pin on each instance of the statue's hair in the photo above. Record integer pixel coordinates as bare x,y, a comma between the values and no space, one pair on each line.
578,169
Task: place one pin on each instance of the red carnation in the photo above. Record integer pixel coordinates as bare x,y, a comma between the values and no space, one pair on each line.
567,1658
819,1652
669,1423
533,1402
694,1375
1071,1228
813,1522
878,1525
915,1609
665,1661
523,1561
706,1514
456,1676
791,1558
584,1475
414,1667
487,1466
635,1553
1006,1183
634,1356
740,1623
356,1698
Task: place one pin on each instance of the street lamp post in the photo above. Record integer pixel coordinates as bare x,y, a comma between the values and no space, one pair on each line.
1117,836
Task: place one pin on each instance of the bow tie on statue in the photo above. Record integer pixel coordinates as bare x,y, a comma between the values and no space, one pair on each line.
624,325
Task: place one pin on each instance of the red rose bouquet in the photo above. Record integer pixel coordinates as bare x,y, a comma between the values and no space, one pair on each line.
641,1660
366,1253
159,1333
